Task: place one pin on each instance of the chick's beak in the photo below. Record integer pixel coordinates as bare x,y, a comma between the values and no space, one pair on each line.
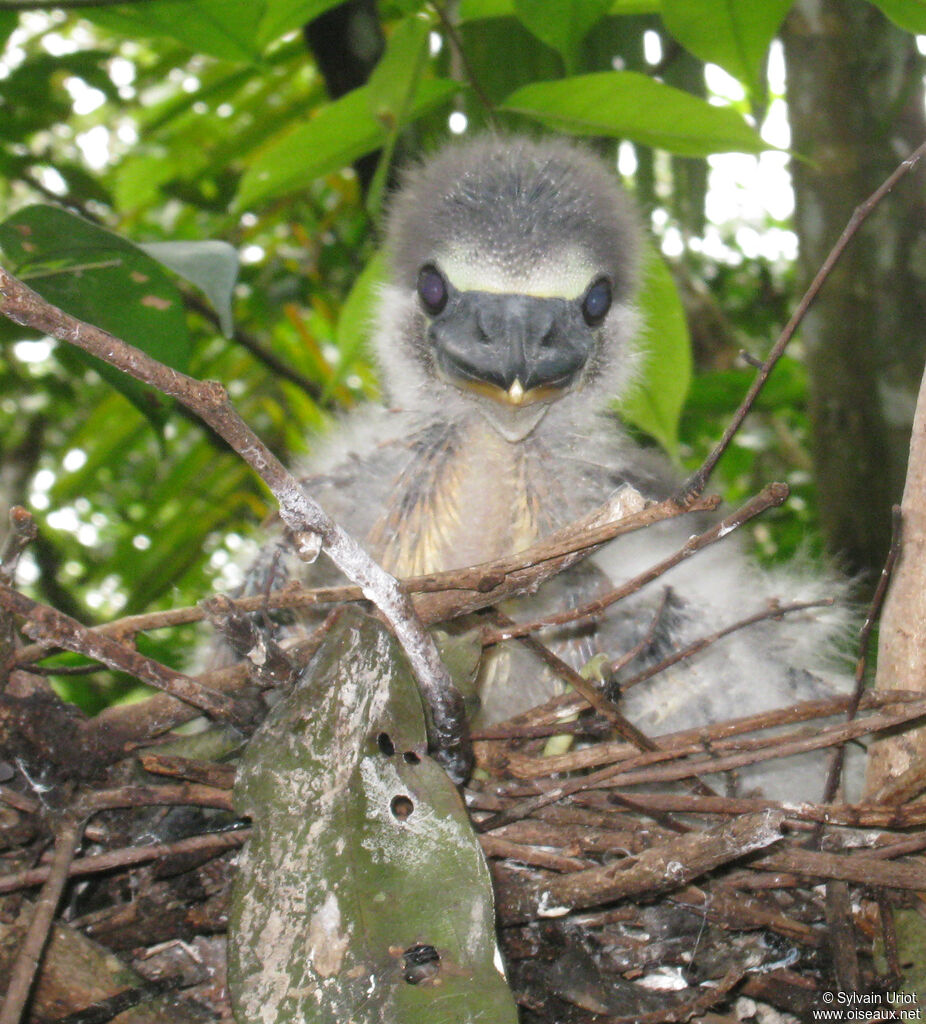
515,349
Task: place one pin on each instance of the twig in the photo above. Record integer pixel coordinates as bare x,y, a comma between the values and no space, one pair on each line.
662,867
22,532
582,686
643,644
690,1008
834,775
753,751
457,44
63,631
844,815
436,596
679,743
769,497
212,843
698,480
696,646
105,1010
304,516
26,964
646,769
889,937
859,869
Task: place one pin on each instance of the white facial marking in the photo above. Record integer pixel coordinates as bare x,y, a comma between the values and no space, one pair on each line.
563,275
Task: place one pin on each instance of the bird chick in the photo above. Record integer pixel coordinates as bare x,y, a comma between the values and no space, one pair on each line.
505,330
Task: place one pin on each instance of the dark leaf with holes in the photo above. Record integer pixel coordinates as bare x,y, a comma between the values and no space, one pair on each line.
363,895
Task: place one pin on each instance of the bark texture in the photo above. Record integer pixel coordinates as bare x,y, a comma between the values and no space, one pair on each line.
902,639
856,107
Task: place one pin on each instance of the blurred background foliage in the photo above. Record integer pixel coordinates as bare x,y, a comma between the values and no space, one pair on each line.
276,127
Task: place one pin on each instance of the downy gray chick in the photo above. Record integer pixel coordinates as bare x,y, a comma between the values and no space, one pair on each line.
505,330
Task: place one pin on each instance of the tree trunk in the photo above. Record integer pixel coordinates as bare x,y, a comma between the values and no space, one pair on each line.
896,760
855,95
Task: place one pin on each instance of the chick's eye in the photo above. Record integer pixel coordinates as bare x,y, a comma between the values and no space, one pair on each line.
597,302
432,289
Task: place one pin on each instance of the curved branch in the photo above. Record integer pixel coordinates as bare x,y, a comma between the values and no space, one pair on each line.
301,513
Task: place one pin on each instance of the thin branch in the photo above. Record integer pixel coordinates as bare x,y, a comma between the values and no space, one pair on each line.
302,514
63,631
661,868
775,611
212,843
457,43
22,532
26,964
770,497
683,758
436,596
698,480
834,775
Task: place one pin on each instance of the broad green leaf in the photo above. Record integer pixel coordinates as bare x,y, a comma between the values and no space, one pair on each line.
8,21
636,6
392,87
629,105
527,59
356,318
341,132
228,29
103,279
395,77
910,15
282,16
363,894
735,34
561,24
212,266
655,404
470,10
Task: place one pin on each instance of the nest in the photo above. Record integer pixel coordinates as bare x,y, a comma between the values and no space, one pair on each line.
627,887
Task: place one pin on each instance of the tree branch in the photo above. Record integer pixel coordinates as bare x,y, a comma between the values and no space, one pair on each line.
698,480
304,516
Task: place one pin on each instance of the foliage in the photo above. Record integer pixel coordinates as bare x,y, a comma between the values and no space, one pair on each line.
172,122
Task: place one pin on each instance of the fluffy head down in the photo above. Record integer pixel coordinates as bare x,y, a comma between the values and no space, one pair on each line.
507,215
520,214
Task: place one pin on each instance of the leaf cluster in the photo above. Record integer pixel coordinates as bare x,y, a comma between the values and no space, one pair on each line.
134,132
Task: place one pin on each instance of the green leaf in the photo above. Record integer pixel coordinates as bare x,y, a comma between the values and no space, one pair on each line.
561,24
282,16
735,34
356,318
212,266
655,405
103,279
629,105
228,29
8,21
395,77
909,15
362,852
471,10
341,132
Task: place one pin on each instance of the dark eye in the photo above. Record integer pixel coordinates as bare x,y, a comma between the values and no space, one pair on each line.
432,289
597,302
